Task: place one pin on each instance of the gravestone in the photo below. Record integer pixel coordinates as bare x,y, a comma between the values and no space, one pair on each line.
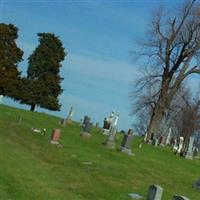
55,136
110,142
180,145
190,152
176,197
126,142
62,122
86,128
196,185
1,99
86,120
168,139
175,144
155,192
69,117
107,124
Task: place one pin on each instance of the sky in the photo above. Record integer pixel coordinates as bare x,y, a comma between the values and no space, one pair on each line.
99,70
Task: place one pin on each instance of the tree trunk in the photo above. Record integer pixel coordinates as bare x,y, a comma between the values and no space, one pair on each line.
32,107
159,110
155,121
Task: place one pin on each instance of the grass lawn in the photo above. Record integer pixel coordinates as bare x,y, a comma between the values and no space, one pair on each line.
32,169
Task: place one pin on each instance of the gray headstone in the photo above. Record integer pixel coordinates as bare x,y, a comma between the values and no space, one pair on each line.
155,192
126,142
86,120
71,112
87,127
176,197
196,185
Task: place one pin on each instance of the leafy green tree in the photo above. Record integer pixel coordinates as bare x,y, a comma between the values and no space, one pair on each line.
42,85
10,56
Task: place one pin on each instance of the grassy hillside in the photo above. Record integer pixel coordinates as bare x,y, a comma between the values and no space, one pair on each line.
32,169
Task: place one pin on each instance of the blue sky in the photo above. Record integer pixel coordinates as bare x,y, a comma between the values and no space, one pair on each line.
98,71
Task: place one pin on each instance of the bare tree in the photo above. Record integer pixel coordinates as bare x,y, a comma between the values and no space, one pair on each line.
173,51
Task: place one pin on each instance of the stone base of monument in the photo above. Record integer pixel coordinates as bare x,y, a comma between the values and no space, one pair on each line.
126,151
106,131
54,142
85,135
109,144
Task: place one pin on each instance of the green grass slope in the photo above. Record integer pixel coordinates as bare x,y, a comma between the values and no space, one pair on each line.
32,169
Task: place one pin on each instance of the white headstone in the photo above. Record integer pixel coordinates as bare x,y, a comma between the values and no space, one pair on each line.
168,137
1,99
190,152
180,146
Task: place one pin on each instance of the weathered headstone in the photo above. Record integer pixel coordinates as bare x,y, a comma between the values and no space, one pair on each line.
155,192
180,145
190,152
107,123
55,136
175,144
86,128
1,99
196,185
126,142
168,139
176,197
69,117
110,142
86,120
62,122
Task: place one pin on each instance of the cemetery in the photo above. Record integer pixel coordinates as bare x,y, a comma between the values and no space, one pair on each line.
73,57
85,169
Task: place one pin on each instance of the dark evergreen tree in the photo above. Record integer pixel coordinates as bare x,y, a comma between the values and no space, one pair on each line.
10,56
42,85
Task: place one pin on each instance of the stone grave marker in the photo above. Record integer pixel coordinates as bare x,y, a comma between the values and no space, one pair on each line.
55,136
107,124
180,145
86,120
168,139
176,197
190,152
110,142
154,192
196,185
126,142
69,117
86,129
1,99
62,122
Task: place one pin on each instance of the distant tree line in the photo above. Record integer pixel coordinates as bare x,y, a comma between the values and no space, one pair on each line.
41,87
